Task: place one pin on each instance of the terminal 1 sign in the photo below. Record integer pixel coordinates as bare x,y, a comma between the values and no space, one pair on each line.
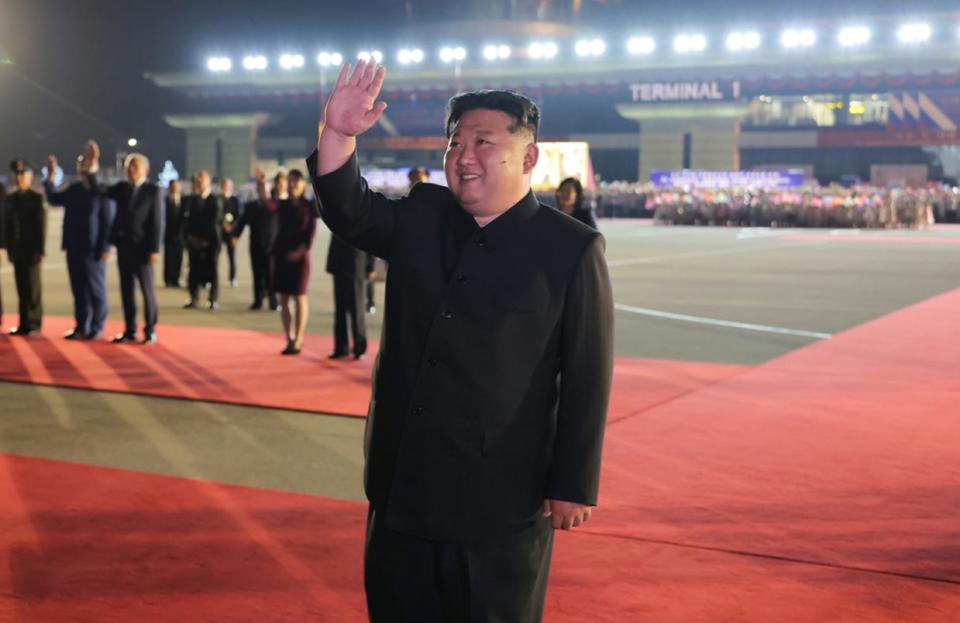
706,91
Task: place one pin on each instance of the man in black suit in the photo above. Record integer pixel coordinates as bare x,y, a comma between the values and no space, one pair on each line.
3,238
25,228
261,218
173,236
137,233
87,218
231,214
203,230
486,423
350,268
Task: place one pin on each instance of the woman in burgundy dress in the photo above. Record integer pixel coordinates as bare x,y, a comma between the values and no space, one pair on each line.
290,259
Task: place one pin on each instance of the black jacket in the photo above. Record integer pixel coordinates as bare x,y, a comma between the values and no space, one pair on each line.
345,260
87,217
204,221
25,225
173,220
138,227
495,364
262,221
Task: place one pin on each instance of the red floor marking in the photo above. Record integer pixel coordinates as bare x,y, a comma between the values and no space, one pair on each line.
845,451
245,367
871,238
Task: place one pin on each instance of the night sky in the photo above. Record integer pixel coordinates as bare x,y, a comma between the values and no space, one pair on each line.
78,64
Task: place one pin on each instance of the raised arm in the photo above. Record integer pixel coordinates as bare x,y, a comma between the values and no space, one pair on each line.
353,212
54,197
351,110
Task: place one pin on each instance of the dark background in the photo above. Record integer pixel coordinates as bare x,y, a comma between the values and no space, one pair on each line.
77,66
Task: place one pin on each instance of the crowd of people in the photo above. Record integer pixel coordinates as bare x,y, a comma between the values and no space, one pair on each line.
831,206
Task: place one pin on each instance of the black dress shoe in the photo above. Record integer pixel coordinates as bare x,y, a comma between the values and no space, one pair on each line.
123,338
190,305
93,335
338,355
290,350
149,338
21,331
255,306
213,305
74,334
359,356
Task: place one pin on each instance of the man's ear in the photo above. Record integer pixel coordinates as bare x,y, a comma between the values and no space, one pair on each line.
530,157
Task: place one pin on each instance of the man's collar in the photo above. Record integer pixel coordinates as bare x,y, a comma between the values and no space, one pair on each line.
518,212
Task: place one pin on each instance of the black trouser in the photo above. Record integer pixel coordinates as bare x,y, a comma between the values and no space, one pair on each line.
370,301
413,580
348,305
203,270
172,262
27,276
231,257
88,283
260,263
135,266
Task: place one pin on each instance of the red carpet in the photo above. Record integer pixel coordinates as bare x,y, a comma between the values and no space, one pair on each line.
90,544
245,367
844,452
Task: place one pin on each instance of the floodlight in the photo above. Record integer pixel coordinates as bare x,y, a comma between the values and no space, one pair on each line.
689,43
542,49
743,40
329,59
291,61
914,33
448,55
641,45
410,55
493,52
367,55
852,36
798,38
219,64
590,47
255,62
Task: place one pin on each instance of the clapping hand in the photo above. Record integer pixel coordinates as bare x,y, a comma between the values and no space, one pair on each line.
352,107
51,168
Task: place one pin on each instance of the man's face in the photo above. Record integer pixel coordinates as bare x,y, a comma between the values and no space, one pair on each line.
226,187
174,188
137,169
488,167
24,179
203,182
280,184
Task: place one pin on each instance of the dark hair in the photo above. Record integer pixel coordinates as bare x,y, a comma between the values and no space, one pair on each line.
577,186
417,173
295,174
521,109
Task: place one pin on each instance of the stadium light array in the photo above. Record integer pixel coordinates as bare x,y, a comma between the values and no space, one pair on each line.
793,38
740,41
853,36
291,61
449,55
542,50
914,33
407,56
493,52
590,47
641,45
219,64
367,55
687,43
256,62
329,59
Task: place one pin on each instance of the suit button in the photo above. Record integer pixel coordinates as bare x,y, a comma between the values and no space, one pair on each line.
461,278
418,410
480,242
447,314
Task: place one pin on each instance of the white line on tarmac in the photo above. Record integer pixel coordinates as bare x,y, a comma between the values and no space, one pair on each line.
643,311
653,259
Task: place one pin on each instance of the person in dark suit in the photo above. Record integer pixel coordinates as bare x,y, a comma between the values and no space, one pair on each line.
569,198
231,214
173,244
290,259
137,233
87,218
203,231
350,269
25,229
3,238
261,217
486,422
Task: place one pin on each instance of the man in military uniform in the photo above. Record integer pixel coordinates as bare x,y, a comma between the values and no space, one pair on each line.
25,226
231,214
173,236
204,228
87,218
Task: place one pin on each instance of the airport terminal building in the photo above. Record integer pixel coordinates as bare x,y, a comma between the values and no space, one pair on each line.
833,98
